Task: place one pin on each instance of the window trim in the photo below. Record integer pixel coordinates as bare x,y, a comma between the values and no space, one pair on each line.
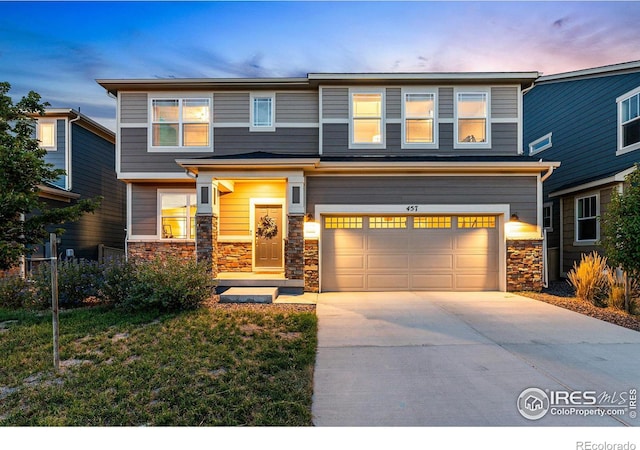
253,96
383,127
621,149
550,206
474,145
576,239
179,148
546,137
159,194
54,123
434,117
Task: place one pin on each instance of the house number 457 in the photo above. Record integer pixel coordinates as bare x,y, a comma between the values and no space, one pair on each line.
412,208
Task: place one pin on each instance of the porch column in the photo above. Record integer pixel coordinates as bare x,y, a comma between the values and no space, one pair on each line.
294,245
207,215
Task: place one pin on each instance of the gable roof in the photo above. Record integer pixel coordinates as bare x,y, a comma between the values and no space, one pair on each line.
612,69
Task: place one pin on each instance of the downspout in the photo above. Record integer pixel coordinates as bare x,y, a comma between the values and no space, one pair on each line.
548,174
69,145
545,265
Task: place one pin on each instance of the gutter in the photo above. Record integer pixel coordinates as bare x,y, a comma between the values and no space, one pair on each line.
69,148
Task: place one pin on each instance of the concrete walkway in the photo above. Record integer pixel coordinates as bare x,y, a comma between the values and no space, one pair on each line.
460,359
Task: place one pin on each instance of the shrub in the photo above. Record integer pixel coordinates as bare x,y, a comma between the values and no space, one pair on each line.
14,292
169,284
77,281
118,277
589,278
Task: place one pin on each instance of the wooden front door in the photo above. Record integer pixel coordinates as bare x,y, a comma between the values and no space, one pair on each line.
268,236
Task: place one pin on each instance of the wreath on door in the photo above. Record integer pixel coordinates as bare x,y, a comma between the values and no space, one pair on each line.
267,228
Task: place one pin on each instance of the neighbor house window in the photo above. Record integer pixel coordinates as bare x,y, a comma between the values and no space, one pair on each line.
177,214
418,126
181,122
629,121
547,211
540,144
367,119
47,135
472,114
587,218
263,111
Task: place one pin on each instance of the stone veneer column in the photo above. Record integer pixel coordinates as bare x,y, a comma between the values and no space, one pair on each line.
294,249
311,266
524,265
206,241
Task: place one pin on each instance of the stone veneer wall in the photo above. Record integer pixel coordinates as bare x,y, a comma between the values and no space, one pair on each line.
150,249
311,266
234,256
524,265
206,238
294,249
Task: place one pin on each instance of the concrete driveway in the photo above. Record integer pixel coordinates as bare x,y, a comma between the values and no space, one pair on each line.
463,359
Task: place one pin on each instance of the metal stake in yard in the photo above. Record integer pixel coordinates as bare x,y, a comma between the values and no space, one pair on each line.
54,300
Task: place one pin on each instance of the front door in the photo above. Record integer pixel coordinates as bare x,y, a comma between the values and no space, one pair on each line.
268,237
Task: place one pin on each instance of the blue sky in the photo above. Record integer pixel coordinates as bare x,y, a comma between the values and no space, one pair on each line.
58,49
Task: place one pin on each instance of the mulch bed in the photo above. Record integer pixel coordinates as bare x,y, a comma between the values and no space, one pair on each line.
214,303
561,294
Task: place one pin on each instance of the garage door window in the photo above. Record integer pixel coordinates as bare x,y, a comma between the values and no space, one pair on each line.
387,222
476,222
342,222
432,222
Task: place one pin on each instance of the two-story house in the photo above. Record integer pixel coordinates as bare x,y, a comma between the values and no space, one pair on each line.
335,182
86,151
590,121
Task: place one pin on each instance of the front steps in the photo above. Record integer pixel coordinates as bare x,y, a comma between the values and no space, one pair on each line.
249,295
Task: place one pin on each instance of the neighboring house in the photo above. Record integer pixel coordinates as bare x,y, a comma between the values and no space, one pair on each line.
589,120
86,151
335,182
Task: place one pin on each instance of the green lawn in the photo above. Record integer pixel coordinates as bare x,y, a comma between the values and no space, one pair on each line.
213,366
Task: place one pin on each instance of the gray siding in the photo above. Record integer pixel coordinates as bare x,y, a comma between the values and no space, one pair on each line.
134,108
504,102
335,103
519,192
504,138
58,157
445,103
394,103
231,107
144,206
297,107
227,141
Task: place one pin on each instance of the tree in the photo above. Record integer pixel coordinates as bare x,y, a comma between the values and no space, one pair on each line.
621,228
24,218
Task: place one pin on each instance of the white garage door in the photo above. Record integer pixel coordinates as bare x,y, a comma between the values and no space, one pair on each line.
378,253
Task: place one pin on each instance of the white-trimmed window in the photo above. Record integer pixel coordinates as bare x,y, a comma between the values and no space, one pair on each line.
48,134
472,119
587,211
547,216
177,213
540,144
628,121
263,107
419,127
181,123
366,113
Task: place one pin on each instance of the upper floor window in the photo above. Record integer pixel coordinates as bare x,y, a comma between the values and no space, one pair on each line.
262,111
177,213
367,118
181,122
629,121
547,216
587,210
47,134
418,124
472,119
540,144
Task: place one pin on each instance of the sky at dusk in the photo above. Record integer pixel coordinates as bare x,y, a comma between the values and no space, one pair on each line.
59,49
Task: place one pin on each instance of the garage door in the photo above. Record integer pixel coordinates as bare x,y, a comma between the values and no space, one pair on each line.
377,253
